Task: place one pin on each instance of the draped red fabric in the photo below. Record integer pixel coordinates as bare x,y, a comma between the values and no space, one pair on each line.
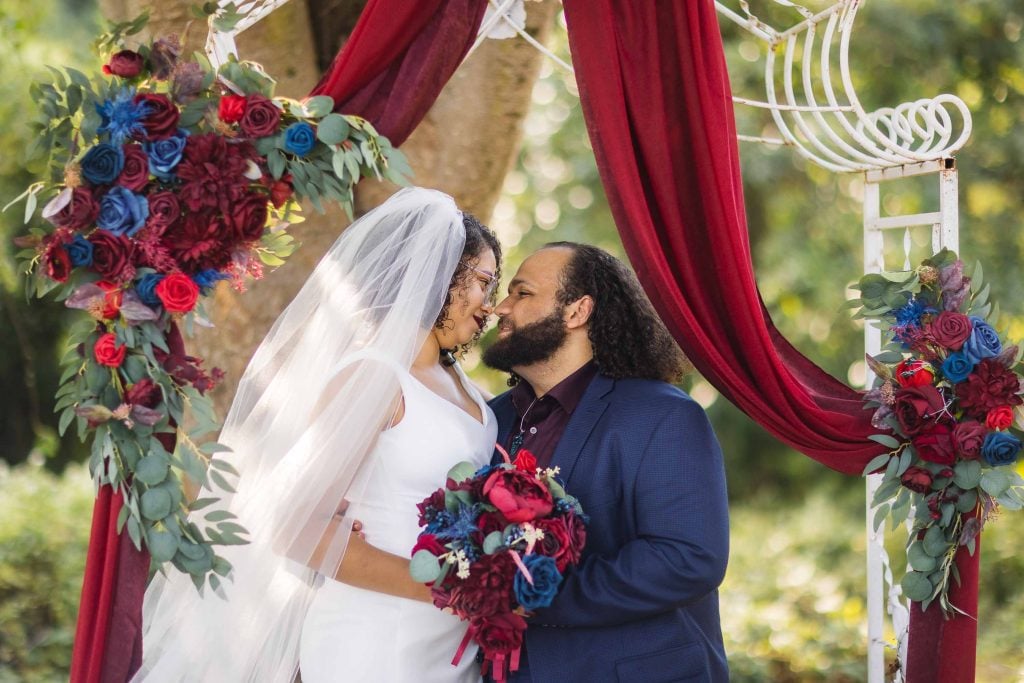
392,68
398,59
657,101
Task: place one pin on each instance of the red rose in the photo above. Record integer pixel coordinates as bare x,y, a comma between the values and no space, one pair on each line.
999,418
556,543
111,300
161,121
126,64
107,351
917,479
487,590
111,255
914,372
261,117
135,173
164,210
936,445
231,108
56,261
80,212
430,543
969,437
917,407
177,292
990,385
498,634
525,462
517,495
249,217
950,329
145,393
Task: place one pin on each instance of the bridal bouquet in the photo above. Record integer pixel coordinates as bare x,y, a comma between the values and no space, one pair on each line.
948,391
163,177
495,546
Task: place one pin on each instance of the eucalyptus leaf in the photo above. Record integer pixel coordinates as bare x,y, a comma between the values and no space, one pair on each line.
967,474
880,514
424,567
919,560
319,106
916,586
493,542
934,542
462,471
152,469
155,504
162,545
994,482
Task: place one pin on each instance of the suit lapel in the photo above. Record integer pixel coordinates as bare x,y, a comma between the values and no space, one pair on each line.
590,409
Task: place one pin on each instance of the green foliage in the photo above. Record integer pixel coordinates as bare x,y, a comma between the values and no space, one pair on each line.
44,533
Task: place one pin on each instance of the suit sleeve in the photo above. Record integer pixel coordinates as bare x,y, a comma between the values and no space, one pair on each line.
681,546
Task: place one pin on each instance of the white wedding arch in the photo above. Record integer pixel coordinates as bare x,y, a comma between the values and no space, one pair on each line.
810,96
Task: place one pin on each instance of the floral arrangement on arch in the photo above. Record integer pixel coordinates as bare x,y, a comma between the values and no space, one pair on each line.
495,545
948,391
163,177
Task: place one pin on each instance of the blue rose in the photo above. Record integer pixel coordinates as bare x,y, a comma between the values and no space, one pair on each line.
165,154
103,163
957,367
206,279
983,342
79,251
122,212
546,578
1000,448
145,287
299,138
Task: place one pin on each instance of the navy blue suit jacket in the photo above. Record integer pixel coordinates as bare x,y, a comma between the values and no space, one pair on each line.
642,606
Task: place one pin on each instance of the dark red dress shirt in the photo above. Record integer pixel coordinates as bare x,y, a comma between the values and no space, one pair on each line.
541,421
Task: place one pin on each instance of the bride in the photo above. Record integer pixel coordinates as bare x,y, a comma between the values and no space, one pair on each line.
352,408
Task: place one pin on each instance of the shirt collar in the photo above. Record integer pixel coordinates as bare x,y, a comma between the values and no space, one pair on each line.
566,393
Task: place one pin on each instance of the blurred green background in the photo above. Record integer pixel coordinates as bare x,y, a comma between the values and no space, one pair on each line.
793,601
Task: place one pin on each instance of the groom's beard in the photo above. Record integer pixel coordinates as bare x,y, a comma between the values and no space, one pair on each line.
528,344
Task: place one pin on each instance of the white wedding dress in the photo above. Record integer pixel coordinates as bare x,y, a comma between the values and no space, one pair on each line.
357,635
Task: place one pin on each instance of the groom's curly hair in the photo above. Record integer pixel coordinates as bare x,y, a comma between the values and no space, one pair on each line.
627,336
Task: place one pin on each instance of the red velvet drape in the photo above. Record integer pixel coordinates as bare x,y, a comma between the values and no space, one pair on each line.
657,100
390,71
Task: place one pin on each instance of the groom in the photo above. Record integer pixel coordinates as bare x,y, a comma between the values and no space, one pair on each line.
593,398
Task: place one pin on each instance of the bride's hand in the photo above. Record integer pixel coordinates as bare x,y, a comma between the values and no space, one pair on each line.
357,529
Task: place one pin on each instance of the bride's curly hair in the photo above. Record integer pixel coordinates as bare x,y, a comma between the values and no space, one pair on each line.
478,238
627,336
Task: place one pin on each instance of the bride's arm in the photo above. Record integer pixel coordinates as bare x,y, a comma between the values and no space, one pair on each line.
365,566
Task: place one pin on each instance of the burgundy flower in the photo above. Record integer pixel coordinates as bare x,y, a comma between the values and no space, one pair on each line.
151,252
487,590
261,117
556,543
517,495
249,217
429,543
918,407
112,256
917,479
164,210
143,393
281,190
200,242
430,506
126,64
78,213
186,81
213,172
56,261
968,437
990,385
577,535
936,444
161,121
950,329
135,173
499,634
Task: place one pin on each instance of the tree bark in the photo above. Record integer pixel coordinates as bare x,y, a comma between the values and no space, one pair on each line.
464,146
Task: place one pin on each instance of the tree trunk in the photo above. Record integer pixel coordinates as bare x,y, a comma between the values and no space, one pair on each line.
464,146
